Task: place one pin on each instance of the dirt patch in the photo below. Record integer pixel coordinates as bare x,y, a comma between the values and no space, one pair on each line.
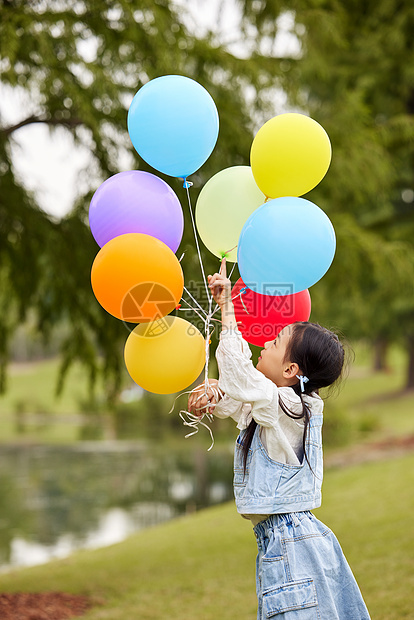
374,451
405,443
389,396
42,606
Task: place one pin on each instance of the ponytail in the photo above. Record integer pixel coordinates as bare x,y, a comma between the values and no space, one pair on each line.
320,356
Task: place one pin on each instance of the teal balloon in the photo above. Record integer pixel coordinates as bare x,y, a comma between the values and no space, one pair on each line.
285,247
173,124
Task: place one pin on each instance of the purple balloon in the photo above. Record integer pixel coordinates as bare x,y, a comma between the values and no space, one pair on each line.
136,202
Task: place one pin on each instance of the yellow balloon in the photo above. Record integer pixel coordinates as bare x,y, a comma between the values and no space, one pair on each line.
165,356
224,204
290,155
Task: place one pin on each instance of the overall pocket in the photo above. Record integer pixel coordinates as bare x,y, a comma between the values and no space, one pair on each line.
296,600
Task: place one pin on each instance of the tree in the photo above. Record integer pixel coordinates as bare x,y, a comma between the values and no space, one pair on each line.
81,62
352,72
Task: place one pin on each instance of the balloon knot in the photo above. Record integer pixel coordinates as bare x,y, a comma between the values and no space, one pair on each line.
187,184
177,307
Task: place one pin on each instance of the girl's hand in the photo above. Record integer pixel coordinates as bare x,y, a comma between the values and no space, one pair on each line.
220,286
203,399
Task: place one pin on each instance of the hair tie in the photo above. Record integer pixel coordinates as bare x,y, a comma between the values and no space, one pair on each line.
303,379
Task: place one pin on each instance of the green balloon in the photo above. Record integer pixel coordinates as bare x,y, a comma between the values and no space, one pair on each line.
224,204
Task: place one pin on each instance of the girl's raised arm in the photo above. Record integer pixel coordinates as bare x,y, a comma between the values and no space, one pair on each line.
220,287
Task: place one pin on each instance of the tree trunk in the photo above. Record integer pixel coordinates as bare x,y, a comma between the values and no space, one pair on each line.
380,354
410,370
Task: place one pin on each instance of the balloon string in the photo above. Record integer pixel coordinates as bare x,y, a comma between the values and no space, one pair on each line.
188,418
243,304
192,420
186,186
195,301
207,340
192,309
232,269
240,294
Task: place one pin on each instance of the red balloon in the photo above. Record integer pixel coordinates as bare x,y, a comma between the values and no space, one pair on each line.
267,315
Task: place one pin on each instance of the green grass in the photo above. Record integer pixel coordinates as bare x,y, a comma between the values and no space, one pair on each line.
369,507
34,385
31,398
202,566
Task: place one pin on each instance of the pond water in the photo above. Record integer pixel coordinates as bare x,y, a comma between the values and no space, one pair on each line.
55,499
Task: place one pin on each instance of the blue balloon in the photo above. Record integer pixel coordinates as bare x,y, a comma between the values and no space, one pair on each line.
173,124
285,246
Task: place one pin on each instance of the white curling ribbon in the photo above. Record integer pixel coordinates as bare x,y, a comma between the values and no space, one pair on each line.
303,379
192,420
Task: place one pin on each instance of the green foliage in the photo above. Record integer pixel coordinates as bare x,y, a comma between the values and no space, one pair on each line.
353,72
81,61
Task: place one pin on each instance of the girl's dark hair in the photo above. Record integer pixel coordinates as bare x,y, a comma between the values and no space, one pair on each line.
320,356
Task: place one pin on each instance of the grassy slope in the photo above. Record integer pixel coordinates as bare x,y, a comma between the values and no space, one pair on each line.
379,395
203,566
33,385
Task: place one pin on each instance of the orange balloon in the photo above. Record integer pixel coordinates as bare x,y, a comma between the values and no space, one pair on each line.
137,278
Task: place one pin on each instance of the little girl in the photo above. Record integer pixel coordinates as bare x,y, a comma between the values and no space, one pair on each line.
301,571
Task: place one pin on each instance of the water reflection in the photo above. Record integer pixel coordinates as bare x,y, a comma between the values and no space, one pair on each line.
54,500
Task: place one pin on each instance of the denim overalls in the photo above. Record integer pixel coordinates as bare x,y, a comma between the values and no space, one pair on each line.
301,571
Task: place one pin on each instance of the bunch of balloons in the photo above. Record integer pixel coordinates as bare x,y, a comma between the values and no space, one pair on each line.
137,220
250,214
253,214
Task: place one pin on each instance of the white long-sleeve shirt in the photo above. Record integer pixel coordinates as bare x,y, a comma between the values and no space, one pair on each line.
250,394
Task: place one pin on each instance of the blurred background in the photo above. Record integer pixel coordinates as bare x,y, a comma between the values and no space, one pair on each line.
86,457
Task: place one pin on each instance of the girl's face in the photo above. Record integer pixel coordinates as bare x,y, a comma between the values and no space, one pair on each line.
272,362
